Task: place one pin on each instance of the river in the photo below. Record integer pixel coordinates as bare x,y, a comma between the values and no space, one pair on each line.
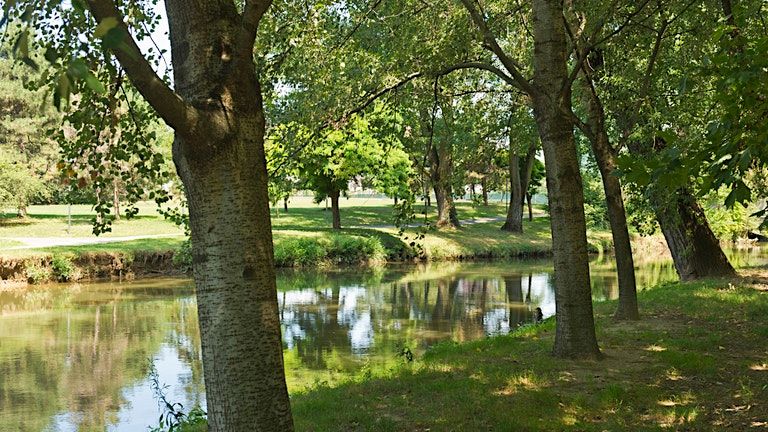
77,357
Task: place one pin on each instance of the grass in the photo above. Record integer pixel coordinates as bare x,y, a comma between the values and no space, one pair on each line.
302,236
696,361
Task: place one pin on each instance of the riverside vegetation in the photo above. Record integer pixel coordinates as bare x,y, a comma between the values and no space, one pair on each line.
302,237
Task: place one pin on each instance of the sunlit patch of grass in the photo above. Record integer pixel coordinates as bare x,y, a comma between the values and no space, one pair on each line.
524,381
762,367
655,348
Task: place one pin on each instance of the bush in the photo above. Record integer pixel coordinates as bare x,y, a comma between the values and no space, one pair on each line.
182,258
37,273
63,268
336,248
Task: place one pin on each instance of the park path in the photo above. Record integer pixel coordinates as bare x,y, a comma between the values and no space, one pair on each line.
46,242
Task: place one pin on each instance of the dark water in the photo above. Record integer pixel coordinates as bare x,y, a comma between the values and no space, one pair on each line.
75,357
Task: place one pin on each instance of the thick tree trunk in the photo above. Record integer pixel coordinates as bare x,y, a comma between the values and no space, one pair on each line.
235,285
694,247
514,221
335,212
225,178
606,162
216,111
575,328
440,171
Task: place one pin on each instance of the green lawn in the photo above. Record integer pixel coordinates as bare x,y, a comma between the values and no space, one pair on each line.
697,361
302,235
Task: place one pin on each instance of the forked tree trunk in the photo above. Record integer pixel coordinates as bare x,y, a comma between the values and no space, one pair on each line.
575,328
514,221
441,170
694,247
335,212
606,161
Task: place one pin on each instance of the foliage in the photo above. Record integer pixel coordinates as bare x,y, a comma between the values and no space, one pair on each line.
172,417
38,273
63,269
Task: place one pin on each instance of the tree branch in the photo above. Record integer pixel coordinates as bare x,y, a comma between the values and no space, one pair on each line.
514,68
169,105
254,11
483,66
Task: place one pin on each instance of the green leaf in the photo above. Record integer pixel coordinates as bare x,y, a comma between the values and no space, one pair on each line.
105,26
21,46
94,84
51,55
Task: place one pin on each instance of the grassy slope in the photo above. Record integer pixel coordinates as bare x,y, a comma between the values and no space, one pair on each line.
302,236
697,361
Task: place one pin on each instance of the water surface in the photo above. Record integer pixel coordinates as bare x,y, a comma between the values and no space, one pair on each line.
76,357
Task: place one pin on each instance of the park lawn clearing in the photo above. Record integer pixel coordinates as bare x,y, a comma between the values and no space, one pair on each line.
697,360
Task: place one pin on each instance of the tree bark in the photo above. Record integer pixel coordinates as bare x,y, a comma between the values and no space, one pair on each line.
530,207
116,199
575,328
695,250
484,185
514,221
441,170
335,212
605,156
217,113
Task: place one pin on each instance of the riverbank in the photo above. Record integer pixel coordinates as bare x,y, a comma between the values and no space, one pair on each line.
295,247
696,361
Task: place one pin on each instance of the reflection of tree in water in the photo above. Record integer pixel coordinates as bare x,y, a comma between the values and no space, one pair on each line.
321,330
71,362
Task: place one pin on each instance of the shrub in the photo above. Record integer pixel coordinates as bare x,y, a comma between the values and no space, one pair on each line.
37,273
63,269
182,258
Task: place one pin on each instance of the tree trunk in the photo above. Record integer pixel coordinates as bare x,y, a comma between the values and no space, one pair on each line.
335,212
472,193
216,111
514,221
606,161
530,207
225,179
233,268
395,198
285,204
484,185
116,200
575,328
440,172
694,247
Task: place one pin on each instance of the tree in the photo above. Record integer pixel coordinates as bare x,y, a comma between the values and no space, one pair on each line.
215,108
651,125
522,138
550,92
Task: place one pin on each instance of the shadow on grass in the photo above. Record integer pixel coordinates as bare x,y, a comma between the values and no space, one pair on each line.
675,369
